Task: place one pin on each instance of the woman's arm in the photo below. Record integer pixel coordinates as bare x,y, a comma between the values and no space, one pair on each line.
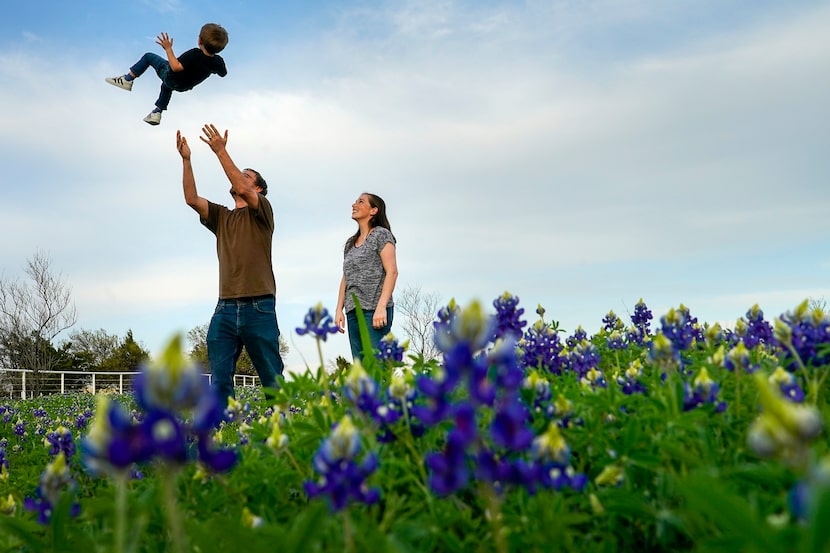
339,316
390,266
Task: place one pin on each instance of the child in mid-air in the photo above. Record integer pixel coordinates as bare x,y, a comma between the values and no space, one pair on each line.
182,73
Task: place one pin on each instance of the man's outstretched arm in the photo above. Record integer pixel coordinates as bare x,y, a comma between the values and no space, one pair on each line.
191,196
242,186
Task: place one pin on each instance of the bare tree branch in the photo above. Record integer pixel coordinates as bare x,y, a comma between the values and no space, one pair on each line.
419,310
32,315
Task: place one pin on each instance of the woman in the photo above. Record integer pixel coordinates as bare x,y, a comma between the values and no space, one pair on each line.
369,272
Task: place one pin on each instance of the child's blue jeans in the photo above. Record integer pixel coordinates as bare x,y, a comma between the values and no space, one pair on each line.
162,67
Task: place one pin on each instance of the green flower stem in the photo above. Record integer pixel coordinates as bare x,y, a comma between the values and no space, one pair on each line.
120,513
348,537
169,477
296,465
738,371
325,378
493,504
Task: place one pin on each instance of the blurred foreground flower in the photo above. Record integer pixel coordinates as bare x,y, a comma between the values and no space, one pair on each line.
783,429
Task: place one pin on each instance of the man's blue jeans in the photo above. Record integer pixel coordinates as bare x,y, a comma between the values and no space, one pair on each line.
249,322
375,334
162,67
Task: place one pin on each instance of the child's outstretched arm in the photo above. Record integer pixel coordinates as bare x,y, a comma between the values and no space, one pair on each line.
167,43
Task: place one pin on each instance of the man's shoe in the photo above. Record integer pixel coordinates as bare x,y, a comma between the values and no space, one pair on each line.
120,82
154,118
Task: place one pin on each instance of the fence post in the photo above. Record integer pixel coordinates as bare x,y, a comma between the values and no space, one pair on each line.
23,389
93,383
121,383
62,380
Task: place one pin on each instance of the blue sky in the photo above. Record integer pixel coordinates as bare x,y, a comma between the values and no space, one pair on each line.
581,155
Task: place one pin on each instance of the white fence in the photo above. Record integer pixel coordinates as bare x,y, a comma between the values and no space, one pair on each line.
19,383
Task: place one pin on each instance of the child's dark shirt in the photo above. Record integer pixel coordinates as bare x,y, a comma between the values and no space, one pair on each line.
197,67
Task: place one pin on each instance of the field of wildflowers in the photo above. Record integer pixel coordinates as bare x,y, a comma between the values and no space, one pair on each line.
647,435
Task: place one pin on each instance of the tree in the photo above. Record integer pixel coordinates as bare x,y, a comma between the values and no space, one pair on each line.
32,314
127,357
197,337
419,311
95,345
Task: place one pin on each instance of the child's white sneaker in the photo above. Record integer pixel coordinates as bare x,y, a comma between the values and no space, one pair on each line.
154,118
120,82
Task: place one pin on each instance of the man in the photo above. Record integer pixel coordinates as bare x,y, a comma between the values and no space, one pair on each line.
245,314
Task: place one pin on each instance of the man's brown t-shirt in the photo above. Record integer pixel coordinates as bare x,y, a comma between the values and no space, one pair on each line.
243,245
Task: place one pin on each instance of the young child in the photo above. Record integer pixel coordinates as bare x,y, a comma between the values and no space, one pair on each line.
182,73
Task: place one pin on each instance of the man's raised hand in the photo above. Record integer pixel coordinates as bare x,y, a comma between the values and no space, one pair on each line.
212,137
181,146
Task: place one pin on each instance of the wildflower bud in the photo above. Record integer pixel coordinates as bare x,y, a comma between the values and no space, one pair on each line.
8,505
551,446
250,520
713,334
611,475
596,506
782,332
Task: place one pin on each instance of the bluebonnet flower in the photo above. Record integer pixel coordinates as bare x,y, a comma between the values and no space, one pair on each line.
611,322
593,379
663,354
500,471
679,328
635,335
578,337
166,392
172,384
787,384
738,359
318,322
758,331
113,443
540,348
615,340
39,412
60,440
510,428
449,470
360,388
444,318
539,392
807,332
19,428
508,317
714,335
342,476
53,481
630,381
642,317
551,457
390,349
705,391
4,462
582,358
82,420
